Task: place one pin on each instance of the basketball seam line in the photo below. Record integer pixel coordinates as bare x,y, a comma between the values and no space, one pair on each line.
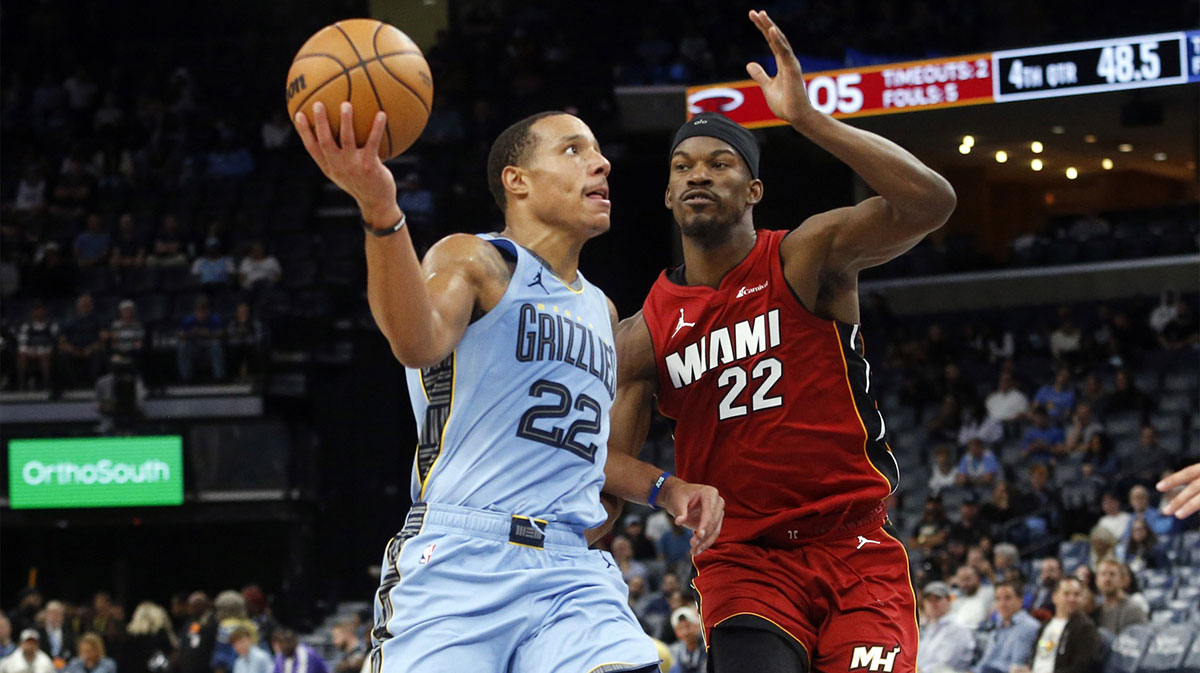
346,71
374,91
374,43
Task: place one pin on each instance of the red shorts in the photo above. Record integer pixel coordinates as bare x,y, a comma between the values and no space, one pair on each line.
849,603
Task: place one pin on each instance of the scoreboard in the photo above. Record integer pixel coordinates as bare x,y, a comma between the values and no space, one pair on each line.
1114,64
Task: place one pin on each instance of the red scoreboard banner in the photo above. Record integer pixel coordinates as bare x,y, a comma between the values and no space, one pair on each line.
860,92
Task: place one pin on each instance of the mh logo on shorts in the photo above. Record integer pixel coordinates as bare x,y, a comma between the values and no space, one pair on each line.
872,658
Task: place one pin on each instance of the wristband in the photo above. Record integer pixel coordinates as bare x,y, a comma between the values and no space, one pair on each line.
658,484
389,230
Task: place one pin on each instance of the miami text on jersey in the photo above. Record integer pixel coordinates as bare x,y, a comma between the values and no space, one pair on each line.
723,346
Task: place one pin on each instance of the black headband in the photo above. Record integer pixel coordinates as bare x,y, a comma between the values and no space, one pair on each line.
716,125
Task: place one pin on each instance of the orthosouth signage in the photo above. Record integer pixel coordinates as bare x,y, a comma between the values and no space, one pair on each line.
95,472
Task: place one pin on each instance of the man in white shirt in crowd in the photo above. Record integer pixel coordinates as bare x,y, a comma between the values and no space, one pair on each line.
251,658
1006,403
973,602
258,267
946,645
1115,520
1069,642
28,657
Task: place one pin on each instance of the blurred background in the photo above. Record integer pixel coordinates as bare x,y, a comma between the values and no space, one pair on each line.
173,265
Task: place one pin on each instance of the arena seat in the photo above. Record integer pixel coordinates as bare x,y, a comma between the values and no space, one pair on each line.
1128,649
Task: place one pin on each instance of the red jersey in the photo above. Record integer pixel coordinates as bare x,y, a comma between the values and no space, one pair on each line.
772,404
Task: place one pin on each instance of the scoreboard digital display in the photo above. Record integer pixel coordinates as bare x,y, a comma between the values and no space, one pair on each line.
1114,64
1090,67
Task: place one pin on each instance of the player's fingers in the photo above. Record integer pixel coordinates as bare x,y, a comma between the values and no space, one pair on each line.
309,140
376,135
1189,473
324,134
346,139
757,74
1186,502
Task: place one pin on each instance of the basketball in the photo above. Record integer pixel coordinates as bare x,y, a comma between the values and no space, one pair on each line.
374,66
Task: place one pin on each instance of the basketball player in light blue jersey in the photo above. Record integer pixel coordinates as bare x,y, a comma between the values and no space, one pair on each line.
512,375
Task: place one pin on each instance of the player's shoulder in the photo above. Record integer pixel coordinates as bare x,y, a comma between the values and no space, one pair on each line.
467,254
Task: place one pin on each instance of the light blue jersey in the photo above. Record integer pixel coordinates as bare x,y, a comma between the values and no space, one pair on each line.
491,572
516,419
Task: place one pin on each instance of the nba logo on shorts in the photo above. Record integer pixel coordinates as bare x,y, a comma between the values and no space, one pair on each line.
427,555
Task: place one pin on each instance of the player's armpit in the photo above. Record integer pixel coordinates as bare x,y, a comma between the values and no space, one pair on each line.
637,381
424,312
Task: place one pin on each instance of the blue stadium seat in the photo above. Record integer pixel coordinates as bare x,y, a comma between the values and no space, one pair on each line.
1157,598
1176,403
1167,649
1147,380
1190,594
1128,649
1191,663
1167,423
1181,381
1156,579
1123,423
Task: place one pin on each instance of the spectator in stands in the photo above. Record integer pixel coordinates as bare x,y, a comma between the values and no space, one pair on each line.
1142,550
28,657
29,604
74,191
1058,398
52,276
1182,331
1130,584
622,553
1102,545
944,426
35,346
120,397
56,637
931,530
945,473
1069,642
30,202
1083,427
81,345
1040,501
292,656
650,606
968,531
973,601
674,546
1043,441
976,424
1039,598
106,619
1114,520
979,466
1100,456
245,341
229,160
214,269
258,269
1117,612
635,530
1005,555
977,559
92,245
1148,462
1092,394
128,250
231,617
250,658
259,611
1164,312
688,651
1000,510
1006,403
1066,339
1000,343
1126,396
127,335
349,648
198,637
151,645
945,642
92,657
7,645
1013,632
200,335
170,246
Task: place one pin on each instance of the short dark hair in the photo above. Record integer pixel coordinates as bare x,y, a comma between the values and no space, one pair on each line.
511,149
1012,584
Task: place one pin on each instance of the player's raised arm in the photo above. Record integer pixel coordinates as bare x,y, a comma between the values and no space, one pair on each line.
913,200
423,312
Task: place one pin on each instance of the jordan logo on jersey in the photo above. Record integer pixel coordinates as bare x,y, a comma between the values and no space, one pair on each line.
682,324
723,346
537,280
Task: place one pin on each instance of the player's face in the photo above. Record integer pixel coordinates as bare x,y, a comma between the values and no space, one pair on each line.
709,187
567,176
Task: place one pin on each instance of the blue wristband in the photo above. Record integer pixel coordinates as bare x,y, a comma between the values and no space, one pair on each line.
658,484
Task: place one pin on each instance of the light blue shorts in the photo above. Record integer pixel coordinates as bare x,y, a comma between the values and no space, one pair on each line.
471,591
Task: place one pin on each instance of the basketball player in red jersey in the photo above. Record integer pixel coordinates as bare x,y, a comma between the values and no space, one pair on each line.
753,347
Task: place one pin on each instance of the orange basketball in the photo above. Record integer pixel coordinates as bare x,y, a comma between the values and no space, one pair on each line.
372,65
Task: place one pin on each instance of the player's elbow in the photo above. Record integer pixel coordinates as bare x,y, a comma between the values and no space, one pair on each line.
415,355
942,202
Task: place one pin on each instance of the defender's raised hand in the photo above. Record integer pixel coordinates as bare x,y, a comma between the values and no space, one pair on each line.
784,92
357,170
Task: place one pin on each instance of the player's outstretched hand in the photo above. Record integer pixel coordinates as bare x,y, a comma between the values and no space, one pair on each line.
357,170
697,507
1186,502
784,92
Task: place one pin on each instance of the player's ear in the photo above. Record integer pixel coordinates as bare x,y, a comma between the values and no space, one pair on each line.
515,180
667,198
754,192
